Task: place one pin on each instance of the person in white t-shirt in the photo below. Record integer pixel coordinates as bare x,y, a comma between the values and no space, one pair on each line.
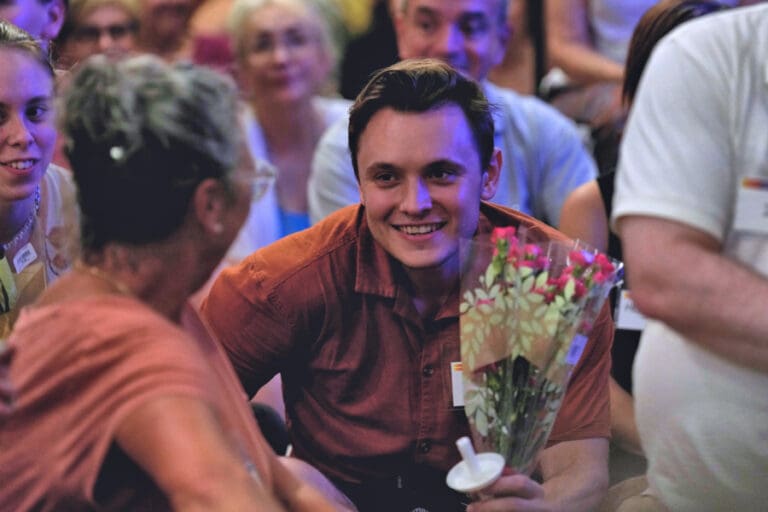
690,208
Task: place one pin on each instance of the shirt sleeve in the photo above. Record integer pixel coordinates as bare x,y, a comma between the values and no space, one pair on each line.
254,332
563,163
676,150
586,412
332,183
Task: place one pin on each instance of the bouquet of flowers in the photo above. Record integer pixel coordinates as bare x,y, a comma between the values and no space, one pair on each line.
526,311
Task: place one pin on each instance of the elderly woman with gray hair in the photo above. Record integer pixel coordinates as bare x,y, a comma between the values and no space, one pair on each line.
124,402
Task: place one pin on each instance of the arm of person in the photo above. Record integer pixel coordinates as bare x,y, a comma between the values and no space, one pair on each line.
570,47
623,425
680,277
574,476
306,489
332,183
583,216
178,441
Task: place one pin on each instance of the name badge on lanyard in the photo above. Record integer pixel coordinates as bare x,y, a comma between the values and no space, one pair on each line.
25,257
457,384
751,213
8,292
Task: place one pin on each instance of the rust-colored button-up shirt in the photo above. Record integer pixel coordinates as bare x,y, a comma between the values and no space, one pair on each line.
367,382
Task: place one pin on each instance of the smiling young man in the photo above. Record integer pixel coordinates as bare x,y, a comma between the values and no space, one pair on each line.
360,312
544,156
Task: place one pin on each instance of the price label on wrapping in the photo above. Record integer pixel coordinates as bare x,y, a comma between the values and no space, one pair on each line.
577,347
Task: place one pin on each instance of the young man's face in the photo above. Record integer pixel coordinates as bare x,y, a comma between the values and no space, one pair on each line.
41,20
470,35
421,183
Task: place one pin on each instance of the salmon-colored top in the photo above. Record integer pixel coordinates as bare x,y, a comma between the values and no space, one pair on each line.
81,367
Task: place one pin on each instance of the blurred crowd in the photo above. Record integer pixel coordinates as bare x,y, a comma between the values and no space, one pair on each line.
188,152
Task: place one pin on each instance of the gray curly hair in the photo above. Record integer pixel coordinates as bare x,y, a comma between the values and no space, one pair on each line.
140,136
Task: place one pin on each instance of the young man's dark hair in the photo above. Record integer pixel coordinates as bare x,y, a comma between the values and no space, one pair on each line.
419,85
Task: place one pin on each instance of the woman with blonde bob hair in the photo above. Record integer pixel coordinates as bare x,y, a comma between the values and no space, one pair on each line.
124,400
285,57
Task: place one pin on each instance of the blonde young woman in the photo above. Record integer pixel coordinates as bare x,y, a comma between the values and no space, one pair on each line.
38,214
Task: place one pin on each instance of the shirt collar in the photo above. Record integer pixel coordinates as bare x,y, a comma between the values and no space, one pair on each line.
377,273
374,272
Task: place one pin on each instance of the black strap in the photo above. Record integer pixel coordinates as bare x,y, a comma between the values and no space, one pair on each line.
419,489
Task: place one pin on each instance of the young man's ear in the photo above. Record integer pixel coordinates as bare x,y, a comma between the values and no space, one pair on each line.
491,176
55,12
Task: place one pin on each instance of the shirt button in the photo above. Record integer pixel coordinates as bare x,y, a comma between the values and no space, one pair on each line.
428,370
425,446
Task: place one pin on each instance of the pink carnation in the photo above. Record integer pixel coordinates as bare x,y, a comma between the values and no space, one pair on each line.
532,250
582,258
605,264
507,233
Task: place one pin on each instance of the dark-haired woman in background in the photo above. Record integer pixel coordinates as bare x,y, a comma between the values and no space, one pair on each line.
124,401
38,213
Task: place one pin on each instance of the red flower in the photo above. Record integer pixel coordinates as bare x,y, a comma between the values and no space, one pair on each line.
582,258
504,233
605,264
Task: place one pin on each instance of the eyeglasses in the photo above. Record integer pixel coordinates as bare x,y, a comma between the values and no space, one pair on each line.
265,176
92,33
293,41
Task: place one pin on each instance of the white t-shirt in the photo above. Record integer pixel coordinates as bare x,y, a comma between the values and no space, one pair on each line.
698,125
